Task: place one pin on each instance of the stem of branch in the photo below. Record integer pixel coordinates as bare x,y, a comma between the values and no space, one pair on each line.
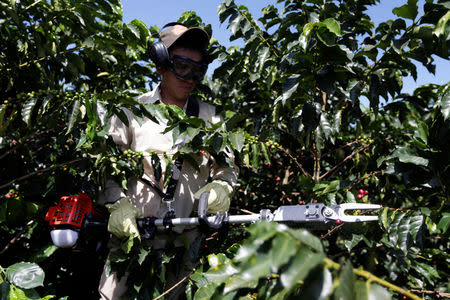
330,232
259,33
370,276
363,178
174,286
441,294
299,165
331,171
317,157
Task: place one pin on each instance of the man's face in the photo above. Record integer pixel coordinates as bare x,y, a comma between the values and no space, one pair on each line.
174,86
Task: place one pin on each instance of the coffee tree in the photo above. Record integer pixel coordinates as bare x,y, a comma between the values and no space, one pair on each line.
308,88
315,112
65,67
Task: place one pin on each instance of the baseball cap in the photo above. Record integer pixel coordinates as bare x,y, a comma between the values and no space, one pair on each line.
195,35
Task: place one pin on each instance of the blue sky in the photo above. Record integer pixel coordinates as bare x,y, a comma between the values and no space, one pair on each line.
161,12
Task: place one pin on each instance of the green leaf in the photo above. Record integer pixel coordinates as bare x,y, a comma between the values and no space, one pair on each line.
406,227
336,122
427,271
283,247
81,141
445,102
218,142
406,155
444,223
27,110
206,291
407,11
378,292
256,161
265,152
299,267
305,36
237,282
362,290
422,132
156,164
16,294
256,267
235,22
350,197
350,244
25,275
221,273
370,291
44,253
384,218
127,244
318,287
333,26
325,126
416,225
326,36
290,85
346,288
260,232
263,55
237,140
2,116
441,28
225,9
142,255
74,115
308,239
140,27
215,260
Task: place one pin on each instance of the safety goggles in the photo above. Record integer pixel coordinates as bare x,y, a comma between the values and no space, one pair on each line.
186,69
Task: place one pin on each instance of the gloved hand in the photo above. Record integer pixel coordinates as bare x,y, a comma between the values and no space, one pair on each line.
219,195
122,219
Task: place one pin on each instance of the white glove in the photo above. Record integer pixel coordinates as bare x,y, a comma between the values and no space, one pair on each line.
122,219
219,195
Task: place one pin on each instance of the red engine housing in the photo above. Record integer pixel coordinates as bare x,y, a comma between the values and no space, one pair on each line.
70,210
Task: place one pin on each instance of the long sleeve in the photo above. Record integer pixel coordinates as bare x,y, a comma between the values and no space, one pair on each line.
121,135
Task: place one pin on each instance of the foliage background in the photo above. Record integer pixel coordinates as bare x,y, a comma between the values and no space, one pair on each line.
292,101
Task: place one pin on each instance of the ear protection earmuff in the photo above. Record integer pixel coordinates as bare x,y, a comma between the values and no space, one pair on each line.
158,51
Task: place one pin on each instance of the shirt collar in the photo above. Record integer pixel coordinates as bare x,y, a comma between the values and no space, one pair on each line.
154,97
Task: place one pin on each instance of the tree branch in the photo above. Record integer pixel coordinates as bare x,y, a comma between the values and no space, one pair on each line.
174,286
329,172
17,237
330,232
371,277
42,171
362,179
317,158
299,165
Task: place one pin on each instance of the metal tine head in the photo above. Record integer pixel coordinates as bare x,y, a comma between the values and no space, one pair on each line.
348,206
356,206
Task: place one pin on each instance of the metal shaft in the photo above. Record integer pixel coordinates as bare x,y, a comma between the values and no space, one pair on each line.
194,221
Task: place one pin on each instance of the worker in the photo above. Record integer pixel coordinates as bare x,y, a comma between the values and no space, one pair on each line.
181,60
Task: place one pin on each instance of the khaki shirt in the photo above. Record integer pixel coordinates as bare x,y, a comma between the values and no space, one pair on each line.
148,137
